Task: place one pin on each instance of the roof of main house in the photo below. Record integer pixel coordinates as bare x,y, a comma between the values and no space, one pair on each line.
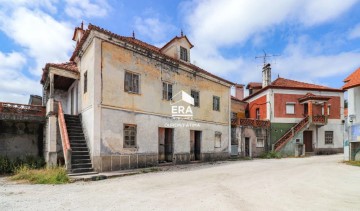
352,80
142,44
68,66
283,83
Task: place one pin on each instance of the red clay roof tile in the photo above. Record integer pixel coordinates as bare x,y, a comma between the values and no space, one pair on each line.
352,80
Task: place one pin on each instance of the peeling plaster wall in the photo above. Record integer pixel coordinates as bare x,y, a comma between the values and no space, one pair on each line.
249,132
18,139
117,60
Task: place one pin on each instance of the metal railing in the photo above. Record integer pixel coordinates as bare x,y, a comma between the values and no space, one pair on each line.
291,133
64,137
251,122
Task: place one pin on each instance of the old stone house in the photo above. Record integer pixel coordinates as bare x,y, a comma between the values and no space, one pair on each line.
121,103
305,118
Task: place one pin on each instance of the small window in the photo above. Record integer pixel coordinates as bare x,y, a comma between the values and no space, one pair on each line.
216,103
233,115
183,54
328,111
258,132
129,136
217,139
167,91
131,84
329,137
257,113
259,142
196,96
85,82
290,108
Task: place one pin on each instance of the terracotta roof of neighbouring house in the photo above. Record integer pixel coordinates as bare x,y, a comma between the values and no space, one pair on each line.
68,66
142,44
311,96
352,80
283,83
236,99
254,85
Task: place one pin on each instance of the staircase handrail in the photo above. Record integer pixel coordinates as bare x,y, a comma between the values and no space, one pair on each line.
290,133
64,137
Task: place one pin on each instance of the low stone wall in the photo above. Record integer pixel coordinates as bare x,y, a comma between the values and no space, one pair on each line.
133,161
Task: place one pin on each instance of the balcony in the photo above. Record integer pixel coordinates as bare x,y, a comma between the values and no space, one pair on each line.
251,122
319,120
21,112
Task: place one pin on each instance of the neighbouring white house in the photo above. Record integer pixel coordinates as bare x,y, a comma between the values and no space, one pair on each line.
352,143
113,106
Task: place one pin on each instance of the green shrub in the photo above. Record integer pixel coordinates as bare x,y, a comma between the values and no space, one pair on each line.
270,155
51,175
8,166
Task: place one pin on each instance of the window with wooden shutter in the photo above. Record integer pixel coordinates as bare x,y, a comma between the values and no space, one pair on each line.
131,83
129,136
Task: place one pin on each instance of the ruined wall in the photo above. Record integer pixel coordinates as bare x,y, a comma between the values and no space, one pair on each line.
253,135
18,139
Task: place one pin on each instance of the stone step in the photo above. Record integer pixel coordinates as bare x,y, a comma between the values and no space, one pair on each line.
80,152
82,170
82,174
81,165
79,157
81,144
78,161
79,149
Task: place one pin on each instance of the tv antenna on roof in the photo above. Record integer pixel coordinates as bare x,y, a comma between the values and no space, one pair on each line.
265,56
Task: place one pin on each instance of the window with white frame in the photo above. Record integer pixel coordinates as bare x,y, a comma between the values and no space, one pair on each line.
328,110
257,113
290,108
217,139
259,142
329,137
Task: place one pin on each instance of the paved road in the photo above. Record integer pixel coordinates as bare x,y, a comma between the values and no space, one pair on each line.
314,183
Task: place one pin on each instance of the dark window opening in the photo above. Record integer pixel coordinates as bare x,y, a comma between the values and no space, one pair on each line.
129,136
85,82
216,103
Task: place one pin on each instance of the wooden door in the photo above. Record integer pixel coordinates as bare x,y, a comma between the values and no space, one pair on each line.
307,137
161,156
168,144
197,145
192,145
247,147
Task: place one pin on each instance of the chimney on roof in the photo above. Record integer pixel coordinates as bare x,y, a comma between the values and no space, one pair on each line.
133,35
182,33
266,75
239,91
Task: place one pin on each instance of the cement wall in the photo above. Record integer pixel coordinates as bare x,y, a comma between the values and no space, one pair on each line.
18,139
244,132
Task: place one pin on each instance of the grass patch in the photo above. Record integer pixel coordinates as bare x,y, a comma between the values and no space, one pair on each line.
353,163
270,155
9,166
51,175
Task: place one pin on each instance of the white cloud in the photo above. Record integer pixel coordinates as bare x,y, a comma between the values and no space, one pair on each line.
86,8
15,86
215,26
153,28
354,32
42,37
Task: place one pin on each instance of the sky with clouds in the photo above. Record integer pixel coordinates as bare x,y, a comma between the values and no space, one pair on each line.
316,41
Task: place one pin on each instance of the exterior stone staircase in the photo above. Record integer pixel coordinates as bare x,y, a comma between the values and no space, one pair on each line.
80,156
291,133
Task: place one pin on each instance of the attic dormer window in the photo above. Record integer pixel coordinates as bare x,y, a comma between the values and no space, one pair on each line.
183,54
